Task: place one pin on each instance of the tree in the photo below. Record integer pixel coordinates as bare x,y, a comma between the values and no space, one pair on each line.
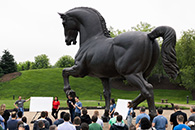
8,63
1,72
143,27
24,66
65,61
42,61
185,48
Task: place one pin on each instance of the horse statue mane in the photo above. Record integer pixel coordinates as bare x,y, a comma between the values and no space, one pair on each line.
102,20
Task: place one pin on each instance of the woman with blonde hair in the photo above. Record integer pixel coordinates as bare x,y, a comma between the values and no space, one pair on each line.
5,115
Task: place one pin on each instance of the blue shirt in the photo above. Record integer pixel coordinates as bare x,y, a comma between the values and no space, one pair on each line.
141,116
12,124
130,111
112,107
77,110
1,122
160,122
182,127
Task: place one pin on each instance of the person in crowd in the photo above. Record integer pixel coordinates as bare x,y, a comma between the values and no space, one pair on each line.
70,103
5,115
94,125
2,120
53,127
41,125
47,118
61,120
20,103
119,125
191,119
141,115
55,109
112,107
113,120
160,122
77,106
66,125
24,119
77,122
144,124
173,116
20,125
20,114
129,114
12,123
99,121
84,126
181,125
85,117
46,123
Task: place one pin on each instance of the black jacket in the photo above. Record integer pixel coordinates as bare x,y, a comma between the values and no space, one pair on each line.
119,126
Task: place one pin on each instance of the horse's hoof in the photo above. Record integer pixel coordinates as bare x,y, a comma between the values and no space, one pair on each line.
149,86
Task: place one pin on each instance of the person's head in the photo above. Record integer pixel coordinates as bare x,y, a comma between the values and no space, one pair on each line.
116,114
41,124
13,114
56,98
84,126
129,104
96,113
84,111
180,119
19,97
119,118
66,117
192,109
142,109
3,107
62,114
176,108
77,120
53,127
46,114
112,101
24,119
145,123
94,119
20,125
20,114
77,99
160,111
43,114
1,112
69,97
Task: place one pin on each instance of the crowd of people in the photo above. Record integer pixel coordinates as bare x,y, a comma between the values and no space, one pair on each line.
78,118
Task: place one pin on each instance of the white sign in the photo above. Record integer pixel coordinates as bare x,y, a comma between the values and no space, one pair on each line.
121,107
38,104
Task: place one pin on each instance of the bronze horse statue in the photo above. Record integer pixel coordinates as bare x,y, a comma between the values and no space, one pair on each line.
131,55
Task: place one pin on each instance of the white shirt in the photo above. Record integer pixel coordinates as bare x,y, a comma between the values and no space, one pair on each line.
66,126
100,122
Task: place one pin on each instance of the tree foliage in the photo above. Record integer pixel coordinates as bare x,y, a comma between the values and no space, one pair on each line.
25,66
65,61
7,63
42,61
143,27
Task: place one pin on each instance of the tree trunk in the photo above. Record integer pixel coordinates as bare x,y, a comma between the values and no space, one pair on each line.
193,94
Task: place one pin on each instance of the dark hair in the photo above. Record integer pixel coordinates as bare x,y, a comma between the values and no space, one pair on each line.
84,126
46,113
145,123
113,101
119,118
20,114
193,108
66,116
176,107
116,113
62,114
40,124
20,124
55,97
43,114
94,118
84,111
52,127
24,119
130,104
180,118
142,109
160,110
77,120
77,97
13,114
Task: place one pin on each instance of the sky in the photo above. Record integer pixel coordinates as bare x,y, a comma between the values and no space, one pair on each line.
29,28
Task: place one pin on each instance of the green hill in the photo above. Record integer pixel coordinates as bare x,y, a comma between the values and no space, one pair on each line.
49,82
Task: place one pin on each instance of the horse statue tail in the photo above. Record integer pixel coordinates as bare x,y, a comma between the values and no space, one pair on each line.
168,49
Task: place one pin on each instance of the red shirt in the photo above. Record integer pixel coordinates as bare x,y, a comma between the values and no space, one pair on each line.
56,104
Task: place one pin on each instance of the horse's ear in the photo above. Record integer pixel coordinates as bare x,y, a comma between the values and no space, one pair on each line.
63,16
